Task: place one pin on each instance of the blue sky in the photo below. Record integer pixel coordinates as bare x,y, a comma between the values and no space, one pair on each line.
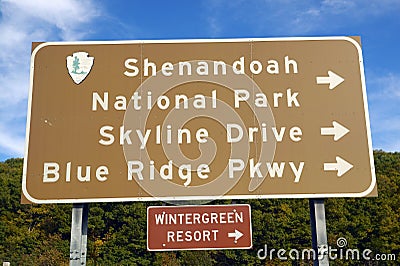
25,21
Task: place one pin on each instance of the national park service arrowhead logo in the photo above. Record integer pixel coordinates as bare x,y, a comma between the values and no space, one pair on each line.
79,65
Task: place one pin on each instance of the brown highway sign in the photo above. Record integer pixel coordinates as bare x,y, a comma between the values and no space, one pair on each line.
197,119
199,227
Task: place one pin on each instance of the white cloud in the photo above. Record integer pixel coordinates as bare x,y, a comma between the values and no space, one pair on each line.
214,27
387,86
292,17
11,144
338,6
21,23
384,99
69,16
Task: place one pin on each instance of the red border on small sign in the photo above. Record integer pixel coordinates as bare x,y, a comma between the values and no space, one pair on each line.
199,227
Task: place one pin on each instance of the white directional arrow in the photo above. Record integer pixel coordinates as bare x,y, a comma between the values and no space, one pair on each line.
333,80
237,234
338,131
341,166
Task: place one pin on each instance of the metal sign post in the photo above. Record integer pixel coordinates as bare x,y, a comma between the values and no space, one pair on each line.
78,245
318,231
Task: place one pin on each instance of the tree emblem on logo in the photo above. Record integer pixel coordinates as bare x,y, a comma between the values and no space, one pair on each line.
79,65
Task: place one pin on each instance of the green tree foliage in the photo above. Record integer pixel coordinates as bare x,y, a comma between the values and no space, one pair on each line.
40,234
30,234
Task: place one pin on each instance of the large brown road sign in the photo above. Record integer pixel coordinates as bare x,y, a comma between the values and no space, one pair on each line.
198,120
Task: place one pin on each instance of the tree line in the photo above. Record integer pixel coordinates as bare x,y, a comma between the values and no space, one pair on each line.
40,234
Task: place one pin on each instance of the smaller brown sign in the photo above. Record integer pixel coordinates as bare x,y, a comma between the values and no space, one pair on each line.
198,227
